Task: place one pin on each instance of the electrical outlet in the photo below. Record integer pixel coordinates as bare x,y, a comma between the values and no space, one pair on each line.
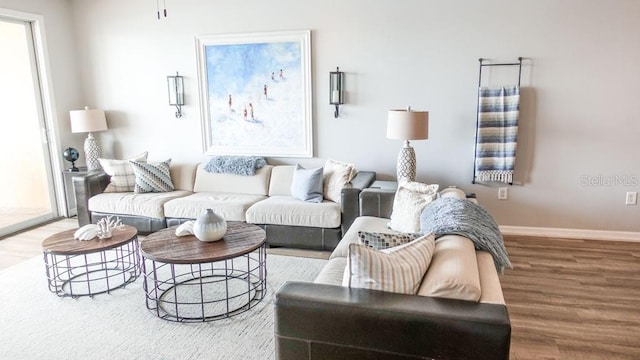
632,198
503,193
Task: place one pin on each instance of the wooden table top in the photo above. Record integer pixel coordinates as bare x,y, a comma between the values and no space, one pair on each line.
63,243
164,246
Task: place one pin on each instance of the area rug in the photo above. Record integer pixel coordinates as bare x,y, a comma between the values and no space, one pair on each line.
36,324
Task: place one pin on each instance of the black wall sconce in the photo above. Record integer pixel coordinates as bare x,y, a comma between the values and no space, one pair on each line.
176,93
336,89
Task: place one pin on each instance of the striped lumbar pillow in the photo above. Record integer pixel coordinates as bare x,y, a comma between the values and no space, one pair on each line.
152,177
399,269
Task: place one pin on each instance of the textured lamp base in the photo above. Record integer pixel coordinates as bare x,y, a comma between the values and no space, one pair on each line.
92,152
406,166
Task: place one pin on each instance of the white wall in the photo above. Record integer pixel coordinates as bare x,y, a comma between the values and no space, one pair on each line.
579,113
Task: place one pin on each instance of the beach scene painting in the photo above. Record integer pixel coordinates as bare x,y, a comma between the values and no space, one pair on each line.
255,94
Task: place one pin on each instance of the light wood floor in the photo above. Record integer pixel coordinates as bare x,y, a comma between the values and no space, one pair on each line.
10,216
567,299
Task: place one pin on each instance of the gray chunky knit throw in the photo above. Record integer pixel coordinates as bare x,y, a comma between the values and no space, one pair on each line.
237,165
446,216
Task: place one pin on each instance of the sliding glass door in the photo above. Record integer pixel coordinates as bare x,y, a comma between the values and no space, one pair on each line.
27,195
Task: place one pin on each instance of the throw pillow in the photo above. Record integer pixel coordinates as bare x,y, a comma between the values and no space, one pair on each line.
381,241
307,184
122,177
411,197
399,269
152,177
336,175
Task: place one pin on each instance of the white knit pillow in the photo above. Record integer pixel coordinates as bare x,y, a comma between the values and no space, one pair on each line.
399,269
336,175
123,179
411,197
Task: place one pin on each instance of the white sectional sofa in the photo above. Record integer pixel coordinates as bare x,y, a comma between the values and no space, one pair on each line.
264,199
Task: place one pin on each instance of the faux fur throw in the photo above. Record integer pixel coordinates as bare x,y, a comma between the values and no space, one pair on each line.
237,165
446,216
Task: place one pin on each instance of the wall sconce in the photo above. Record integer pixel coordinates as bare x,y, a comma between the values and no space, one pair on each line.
336,89
176,93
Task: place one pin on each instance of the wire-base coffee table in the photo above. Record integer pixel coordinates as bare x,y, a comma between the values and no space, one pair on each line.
85,268
187,280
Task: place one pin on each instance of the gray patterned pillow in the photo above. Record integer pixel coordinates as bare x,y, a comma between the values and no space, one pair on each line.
380,241
152,177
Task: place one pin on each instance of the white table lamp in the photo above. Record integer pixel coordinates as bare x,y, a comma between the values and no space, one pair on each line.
89,121
407,125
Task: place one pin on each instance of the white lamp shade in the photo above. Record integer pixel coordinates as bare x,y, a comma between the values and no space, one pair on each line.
408,125
87,120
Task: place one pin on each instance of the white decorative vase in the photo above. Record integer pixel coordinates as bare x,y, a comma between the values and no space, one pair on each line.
209,227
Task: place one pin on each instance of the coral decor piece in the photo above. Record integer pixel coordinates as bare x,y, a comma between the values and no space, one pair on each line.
107,225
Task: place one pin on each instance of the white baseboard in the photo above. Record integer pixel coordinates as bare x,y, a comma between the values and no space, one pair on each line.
571,233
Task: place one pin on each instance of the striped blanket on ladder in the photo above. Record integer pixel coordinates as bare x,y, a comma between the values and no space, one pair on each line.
498,109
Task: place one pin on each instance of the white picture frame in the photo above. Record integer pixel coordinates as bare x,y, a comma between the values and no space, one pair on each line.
255,93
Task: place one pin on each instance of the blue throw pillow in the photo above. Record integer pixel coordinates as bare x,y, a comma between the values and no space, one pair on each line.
307,184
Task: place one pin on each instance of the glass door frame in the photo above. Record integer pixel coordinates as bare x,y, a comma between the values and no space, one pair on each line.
42,82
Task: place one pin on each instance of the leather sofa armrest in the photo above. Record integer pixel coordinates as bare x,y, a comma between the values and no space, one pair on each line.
377,202
313,320
86,186
350,196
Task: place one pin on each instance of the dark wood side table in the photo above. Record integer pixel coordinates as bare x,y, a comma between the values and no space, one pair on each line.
86,268
188,280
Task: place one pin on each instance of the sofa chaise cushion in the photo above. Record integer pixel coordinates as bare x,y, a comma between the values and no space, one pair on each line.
489,280
286,210
230,206
129,203
281,208
333,272
281,180
257,184
454,271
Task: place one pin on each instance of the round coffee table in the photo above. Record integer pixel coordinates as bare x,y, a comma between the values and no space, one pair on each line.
188,280
86,268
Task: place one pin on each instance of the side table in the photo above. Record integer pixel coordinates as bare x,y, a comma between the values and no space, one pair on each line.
69,194
86,268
